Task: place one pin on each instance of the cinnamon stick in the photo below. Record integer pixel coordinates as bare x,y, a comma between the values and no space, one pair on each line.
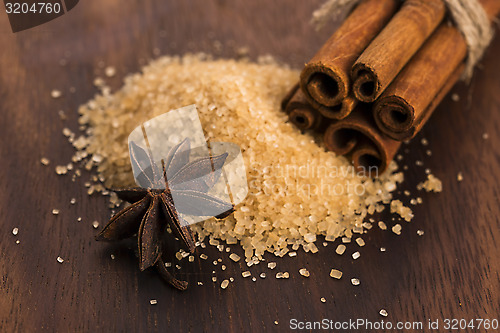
300,112
406,105
358,137
386,55
325,78
339,111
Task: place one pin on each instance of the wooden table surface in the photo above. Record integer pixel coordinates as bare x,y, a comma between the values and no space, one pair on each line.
452,271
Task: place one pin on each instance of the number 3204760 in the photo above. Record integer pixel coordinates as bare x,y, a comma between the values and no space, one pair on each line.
38,7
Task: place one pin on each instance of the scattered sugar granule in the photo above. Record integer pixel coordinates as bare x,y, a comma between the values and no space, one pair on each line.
420,232
292,254
215,262
61,169
214,278
112,257
262,275
224,284
382,249
62,115
340,249
246,274
367,225
336,274
460,177
254,279
110,71
405,212
168,264
99,82
55,93
55,211
355,282
428,152
153,302
191,259
382,225
304,272
18,241
275,322
282,275
45,161
72,201
60,260
419,163
223,267
455,98
203,256
271,265
397,229
231,279
486,136
178,256
200,283
383,313
356,255
15,231
95,224
346,239
431,184
424,142
325,244
360,241
323,300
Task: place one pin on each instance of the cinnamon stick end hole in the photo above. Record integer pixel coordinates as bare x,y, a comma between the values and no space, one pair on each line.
398,117
395,118
323,89
367,88
364,86
303,119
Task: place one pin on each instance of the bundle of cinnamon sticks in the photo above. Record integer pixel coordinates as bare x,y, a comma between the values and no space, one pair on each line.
379,77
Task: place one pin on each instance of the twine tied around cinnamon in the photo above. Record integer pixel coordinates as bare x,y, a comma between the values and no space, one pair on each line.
468,16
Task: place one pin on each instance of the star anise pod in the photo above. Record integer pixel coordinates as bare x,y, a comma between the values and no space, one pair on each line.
152,207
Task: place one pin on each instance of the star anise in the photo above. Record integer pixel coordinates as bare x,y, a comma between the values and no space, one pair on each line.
152,206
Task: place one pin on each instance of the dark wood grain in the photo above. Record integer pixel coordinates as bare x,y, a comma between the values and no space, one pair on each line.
450,272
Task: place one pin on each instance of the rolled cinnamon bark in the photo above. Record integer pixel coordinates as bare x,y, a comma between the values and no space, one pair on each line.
325,78
386,55
406,105
358,137
339,111
408,102
300,112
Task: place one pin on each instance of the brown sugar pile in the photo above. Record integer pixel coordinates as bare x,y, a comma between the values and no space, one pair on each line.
297,190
